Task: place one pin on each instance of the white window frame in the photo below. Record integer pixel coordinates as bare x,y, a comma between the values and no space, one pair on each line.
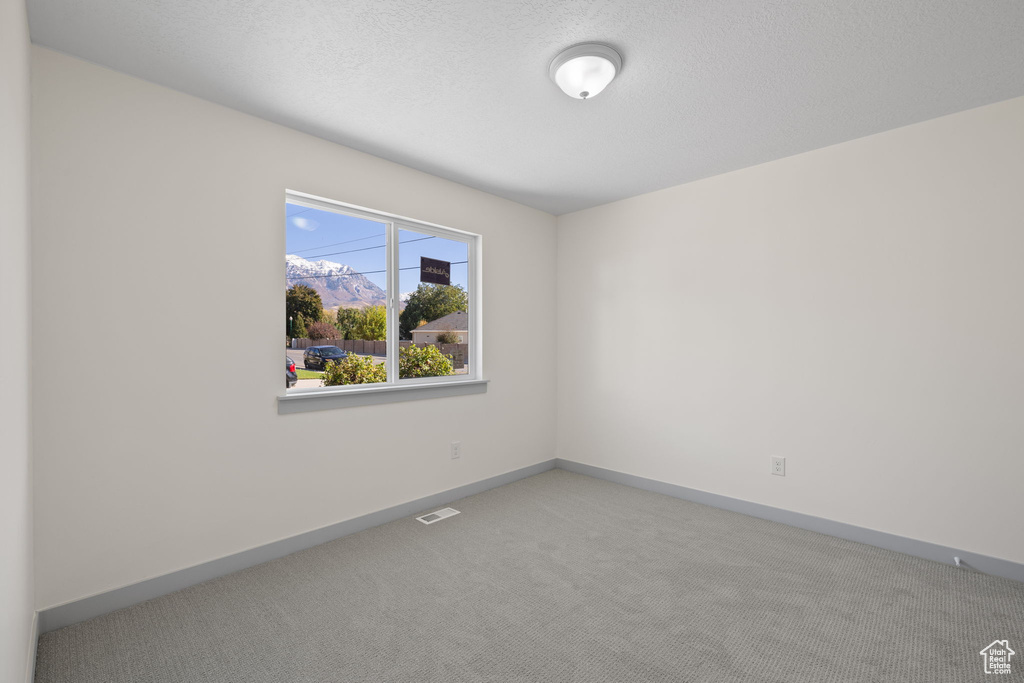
395,389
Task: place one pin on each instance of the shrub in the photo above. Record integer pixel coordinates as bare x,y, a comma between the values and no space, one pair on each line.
448,337
413,361
322,330
354,370
423,361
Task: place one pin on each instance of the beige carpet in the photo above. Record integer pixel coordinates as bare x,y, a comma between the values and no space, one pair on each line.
561,578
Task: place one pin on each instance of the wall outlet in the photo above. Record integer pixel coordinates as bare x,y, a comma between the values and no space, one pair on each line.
456,450
779,466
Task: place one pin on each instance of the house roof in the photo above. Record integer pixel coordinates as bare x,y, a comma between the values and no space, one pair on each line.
456,322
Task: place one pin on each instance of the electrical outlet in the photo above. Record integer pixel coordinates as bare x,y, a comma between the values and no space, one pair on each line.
779,466
456,450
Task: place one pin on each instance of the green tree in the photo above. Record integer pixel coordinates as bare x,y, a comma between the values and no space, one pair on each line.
372,323
300,326
347,322
430,302
302,299
423,361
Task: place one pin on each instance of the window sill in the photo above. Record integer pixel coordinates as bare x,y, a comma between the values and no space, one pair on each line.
307,401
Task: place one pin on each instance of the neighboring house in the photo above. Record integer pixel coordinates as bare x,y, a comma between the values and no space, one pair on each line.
457,322
997,657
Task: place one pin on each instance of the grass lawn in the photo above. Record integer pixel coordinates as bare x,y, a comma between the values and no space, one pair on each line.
308,374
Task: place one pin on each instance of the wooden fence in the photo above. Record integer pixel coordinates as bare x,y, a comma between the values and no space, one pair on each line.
458,352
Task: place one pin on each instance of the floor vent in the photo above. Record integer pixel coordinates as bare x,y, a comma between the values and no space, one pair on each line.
437,516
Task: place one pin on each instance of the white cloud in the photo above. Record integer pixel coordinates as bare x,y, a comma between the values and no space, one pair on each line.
304,224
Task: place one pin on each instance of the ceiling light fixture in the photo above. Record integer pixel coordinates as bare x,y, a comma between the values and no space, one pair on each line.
584,70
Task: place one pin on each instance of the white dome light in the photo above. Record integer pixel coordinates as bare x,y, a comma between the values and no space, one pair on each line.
582,71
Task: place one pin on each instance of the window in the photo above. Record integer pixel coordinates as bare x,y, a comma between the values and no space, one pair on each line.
377,304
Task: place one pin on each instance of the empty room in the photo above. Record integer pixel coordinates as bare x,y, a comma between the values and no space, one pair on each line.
623,341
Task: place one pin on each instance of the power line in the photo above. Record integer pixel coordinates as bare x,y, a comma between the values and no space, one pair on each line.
292,215
368,272
351,251
334,244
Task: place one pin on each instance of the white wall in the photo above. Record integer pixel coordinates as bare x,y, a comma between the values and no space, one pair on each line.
16,614
158,225
856,309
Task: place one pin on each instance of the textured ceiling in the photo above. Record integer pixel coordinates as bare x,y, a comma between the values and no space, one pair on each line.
460,89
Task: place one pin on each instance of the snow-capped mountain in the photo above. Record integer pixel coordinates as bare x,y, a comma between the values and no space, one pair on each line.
336,283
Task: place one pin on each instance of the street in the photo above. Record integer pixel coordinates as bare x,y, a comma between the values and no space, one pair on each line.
297,356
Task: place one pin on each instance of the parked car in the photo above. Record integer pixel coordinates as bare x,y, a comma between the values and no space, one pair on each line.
316,357
290,376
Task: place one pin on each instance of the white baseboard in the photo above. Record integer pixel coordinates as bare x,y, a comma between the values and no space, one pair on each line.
880,539
75,611
93,606
30,657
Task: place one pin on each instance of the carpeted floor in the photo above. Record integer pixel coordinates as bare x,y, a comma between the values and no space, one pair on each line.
561,578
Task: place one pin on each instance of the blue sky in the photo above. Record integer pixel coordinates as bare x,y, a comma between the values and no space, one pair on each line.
318,235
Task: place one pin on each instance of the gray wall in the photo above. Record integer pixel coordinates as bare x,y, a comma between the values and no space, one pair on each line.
856,309
166,212
17,635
